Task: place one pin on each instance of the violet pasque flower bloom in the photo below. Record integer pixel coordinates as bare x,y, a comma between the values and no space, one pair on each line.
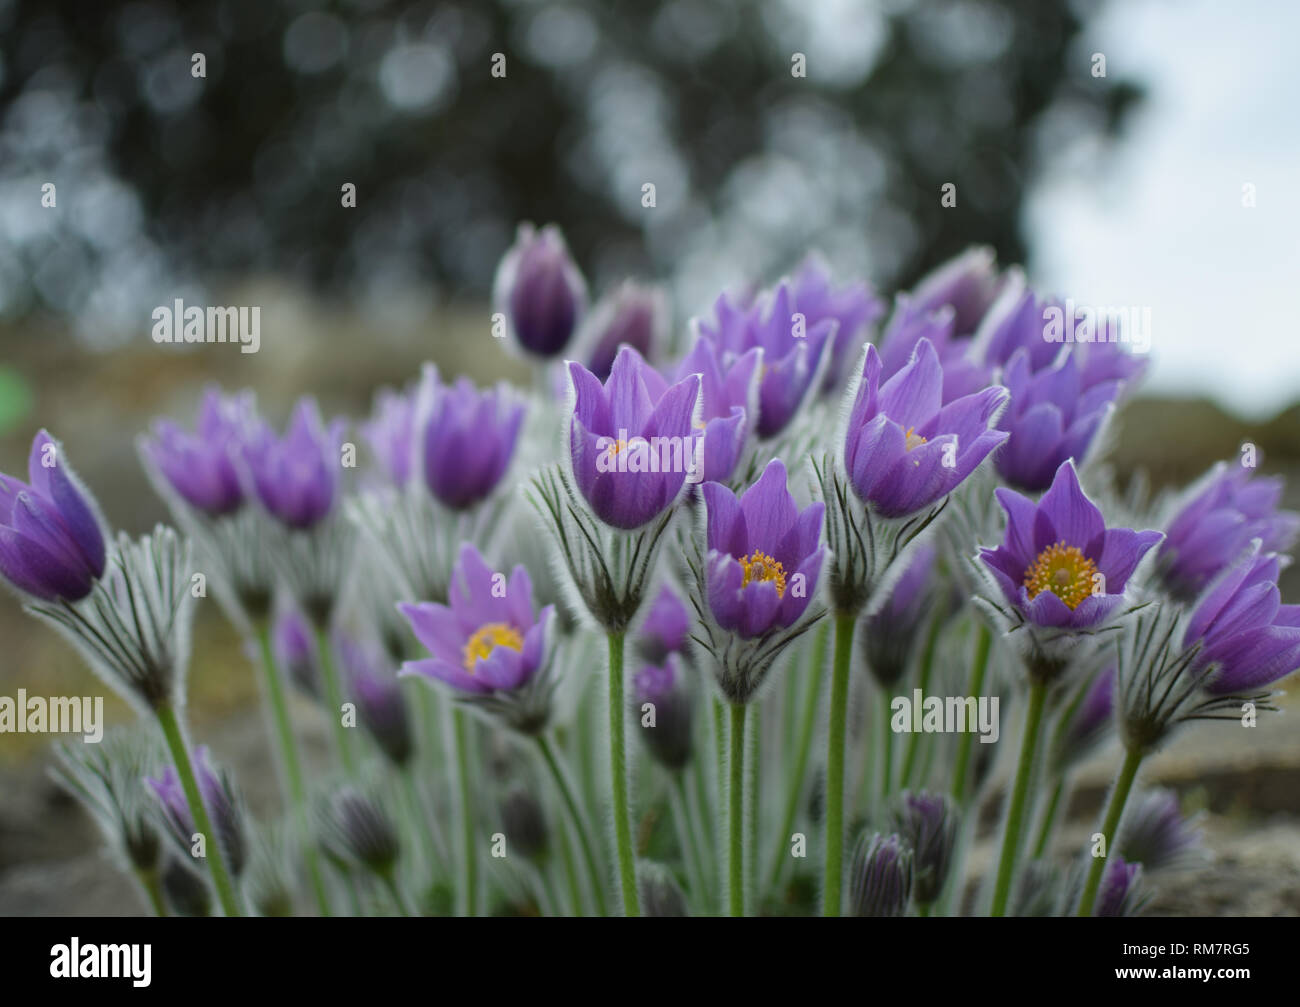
223,806
853,307
1121,889
467,438
1059,566
764,554
1155,834
668,736
540,291
633,315
486,643
296,478
790,360
51,539
1216,525
295,651
728,401
631,440
881,880
963,374
390,432
665,629
200,467
904,449
968,283
1245,632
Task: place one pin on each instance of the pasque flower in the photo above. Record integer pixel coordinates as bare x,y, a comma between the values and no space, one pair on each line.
631,315
1121,889
295,650
728,402
1156,835
540,291
222,803
1086,722
390,432
51,539
665,628
928,822
881,879
296,478
622,433
201,467
904,449
381,704
853,307
487,643
963,372
790,360
968,283
1059,566
466,438
668,738
890,633
1214,527
1244,631
764,554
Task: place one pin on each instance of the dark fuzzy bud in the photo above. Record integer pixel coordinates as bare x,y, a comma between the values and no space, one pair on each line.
356,830
881,878
928,822
187,894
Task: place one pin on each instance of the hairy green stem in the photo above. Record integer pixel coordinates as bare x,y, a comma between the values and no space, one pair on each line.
465,791
833,881
578,821
334,699
1048,822
979,669
618,776
736,814
923,682
215,855
1019,792
1110,825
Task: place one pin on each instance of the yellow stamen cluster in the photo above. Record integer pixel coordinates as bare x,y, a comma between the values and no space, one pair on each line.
760,567
913,439
1063,570
616,447
488,638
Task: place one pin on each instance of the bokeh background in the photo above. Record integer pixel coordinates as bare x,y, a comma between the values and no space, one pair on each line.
1124,189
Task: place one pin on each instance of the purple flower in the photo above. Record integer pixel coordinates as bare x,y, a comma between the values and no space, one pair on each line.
727,402
665,628
1214,528
968,283
540,291
200,466
1018,320
852,307
963,374
764,557
633,315
467,438
381,705
295,651
1059,565
790,361
296,478
51,540
1051,418
1120,893
218,798
1244,629
668,738
904,449
485,640
390,432
928,823
623,436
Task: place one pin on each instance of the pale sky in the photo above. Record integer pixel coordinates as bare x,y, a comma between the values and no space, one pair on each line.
1162,224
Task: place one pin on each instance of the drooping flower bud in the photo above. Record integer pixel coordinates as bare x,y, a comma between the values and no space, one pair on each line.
881,878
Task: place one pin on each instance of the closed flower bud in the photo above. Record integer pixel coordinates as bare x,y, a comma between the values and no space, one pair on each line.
928,822
186,892
881,879
1156,835
224,807
524,823
663,710
660,893
540,290
356,830
381,704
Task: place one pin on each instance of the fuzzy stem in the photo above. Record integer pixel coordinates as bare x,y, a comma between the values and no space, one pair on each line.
151,885
887,762
390,882
832,881
808,720
686,833
288,750
216,857
736,814
334,700
1049,819
979,668
618,776
469,849
579,824
1118,798
1020,790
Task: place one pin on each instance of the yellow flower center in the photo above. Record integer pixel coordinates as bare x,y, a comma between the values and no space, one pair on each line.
488,638
616,447
761,567
912,439
1063,570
